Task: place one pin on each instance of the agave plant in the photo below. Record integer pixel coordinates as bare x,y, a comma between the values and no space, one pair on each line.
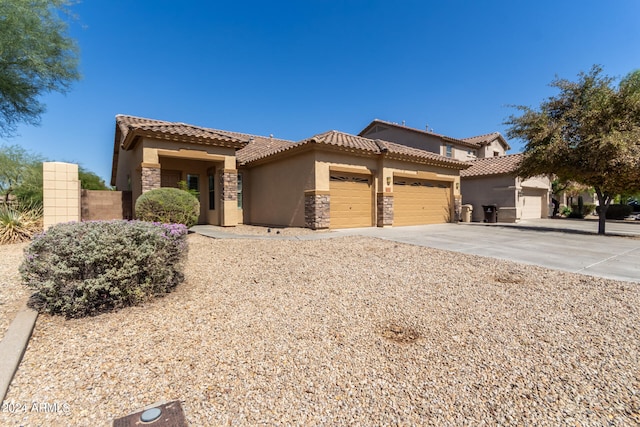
19,222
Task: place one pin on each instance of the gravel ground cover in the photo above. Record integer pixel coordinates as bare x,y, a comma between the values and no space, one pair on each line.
13,295
346,331
254,230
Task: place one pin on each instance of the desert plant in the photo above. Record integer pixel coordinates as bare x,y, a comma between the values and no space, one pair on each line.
565,211
19,222
86,268
168,205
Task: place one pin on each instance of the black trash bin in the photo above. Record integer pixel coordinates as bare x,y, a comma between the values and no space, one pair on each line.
490,213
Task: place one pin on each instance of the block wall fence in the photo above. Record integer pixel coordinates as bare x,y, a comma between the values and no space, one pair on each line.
65,201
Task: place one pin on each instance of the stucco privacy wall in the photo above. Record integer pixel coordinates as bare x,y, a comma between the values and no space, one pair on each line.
61,193
105,205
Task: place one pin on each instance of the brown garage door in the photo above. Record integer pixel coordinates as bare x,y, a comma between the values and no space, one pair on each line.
421,202
350,201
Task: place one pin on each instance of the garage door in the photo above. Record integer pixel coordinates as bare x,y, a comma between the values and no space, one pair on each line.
531,204
350,201
421,202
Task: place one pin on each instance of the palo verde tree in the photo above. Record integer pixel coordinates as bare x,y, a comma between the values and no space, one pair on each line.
36,57
588,133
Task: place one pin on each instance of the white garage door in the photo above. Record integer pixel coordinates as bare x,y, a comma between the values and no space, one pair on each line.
531,203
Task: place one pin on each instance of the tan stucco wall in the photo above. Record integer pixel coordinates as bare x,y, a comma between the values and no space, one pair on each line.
274,192
345,162
422,141
487,150
499,190
435,173
128,176
408,138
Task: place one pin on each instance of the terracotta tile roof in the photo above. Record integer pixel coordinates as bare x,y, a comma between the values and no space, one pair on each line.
345,140
129,127
259,147
256,147
492,166
487,139
265,147
420,131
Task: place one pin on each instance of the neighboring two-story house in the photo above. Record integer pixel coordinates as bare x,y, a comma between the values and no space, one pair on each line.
476,147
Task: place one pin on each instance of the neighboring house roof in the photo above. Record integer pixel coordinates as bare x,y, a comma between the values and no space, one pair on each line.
419,131
487,139
502,165
399,150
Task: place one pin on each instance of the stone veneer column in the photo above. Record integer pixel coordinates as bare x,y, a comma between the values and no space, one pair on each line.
229,197
385,209
457,208
150,178
316,209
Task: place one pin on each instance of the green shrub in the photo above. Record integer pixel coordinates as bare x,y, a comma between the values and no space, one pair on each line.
577,212
169,206
86,268
617,211
19,222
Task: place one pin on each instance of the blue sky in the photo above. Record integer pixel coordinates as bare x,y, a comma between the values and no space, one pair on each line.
297,68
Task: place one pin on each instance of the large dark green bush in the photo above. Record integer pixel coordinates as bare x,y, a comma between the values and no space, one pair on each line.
617,211
168,205
86,268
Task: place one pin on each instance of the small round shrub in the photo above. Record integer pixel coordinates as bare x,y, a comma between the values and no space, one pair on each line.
86,268
169,206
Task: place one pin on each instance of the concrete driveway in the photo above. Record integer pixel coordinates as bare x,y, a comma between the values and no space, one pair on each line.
559,244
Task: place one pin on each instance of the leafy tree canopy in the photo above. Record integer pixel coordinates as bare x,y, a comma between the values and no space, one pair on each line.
36,57
90,181
21,175
588,133
17,168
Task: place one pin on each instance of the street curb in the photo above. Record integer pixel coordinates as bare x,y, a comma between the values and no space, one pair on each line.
13,346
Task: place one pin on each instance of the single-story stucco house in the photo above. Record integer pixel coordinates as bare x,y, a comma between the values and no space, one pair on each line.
330,180
492,181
